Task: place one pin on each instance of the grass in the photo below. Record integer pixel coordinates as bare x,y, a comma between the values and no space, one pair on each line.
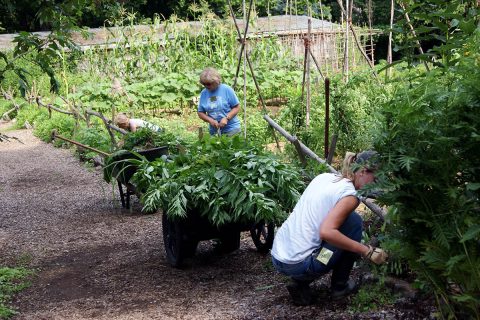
371,297
12,280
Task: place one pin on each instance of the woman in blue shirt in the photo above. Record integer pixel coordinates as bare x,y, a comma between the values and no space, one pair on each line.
218,104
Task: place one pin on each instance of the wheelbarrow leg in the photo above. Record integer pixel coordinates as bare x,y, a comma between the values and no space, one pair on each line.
122,195
128,199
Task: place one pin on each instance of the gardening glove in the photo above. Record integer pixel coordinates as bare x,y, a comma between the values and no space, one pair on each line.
376,255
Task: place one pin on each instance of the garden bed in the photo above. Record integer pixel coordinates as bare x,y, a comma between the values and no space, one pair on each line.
94,260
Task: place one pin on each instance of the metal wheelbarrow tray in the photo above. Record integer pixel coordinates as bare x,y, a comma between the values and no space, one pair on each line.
123,171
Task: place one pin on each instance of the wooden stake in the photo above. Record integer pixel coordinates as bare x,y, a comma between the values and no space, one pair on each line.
242,39
307,50
389,53
247,58
316,64
359,46
327,115
370,29
331,150
296,143
56,136
419,46
345,48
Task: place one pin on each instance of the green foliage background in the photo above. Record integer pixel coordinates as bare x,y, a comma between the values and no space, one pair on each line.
430,143
424,123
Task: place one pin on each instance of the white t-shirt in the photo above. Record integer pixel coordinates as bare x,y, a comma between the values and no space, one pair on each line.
299,235
139,123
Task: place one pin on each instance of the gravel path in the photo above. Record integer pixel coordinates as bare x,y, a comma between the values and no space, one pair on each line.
95,260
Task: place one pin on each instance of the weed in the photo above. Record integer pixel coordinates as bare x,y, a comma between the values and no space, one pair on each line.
371,297
24,259
11,282
268,266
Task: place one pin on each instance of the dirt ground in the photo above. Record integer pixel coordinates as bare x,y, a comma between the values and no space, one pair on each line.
95,260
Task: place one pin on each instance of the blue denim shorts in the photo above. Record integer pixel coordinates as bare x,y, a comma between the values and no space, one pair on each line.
310,268
307,270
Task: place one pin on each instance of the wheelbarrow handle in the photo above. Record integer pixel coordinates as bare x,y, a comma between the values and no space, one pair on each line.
55,135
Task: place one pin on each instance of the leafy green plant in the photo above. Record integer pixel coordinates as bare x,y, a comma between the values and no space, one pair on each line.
30,114
371,297
355,111
11,282
163,91
94,137
145,138
44,51
446,24
225,179
430,149
98,95
5,105
64,124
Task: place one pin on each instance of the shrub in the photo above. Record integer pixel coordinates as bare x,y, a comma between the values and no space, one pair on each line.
64,124
94,137
355,111
30,114
430,145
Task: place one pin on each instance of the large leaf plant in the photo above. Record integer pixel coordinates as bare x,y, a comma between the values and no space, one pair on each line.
431,148
223,179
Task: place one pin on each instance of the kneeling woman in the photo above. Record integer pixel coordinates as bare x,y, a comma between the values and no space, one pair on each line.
323,232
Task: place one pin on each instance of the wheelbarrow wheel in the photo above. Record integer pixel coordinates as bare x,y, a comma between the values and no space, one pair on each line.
229,240
262,235
190,247
173,239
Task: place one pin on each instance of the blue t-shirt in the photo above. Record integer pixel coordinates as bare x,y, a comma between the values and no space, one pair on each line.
217,104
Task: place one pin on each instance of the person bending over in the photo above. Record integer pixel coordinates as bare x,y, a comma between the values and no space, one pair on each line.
126,123
323,233
218,104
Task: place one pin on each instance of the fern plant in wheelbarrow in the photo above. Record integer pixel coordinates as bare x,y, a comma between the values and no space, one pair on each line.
138,146
216,188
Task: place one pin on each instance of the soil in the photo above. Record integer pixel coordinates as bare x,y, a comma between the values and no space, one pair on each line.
95,260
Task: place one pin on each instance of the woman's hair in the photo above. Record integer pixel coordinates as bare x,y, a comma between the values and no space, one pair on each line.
355,161
210,75
347,171
122,120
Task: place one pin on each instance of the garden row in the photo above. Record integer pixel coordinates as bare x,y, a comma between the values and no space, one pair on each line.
425,124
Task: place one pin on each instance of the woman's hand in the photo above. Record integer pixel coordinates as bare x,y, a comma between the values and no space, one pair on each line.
223,122
376,255
214,123
207,118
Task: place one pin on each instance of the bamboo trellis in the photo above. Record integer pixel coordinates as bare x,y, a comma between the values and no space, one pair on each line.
301,149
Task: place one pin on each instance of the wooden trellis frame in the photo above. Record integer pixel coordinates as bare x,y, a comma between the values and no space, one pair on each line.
300,147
